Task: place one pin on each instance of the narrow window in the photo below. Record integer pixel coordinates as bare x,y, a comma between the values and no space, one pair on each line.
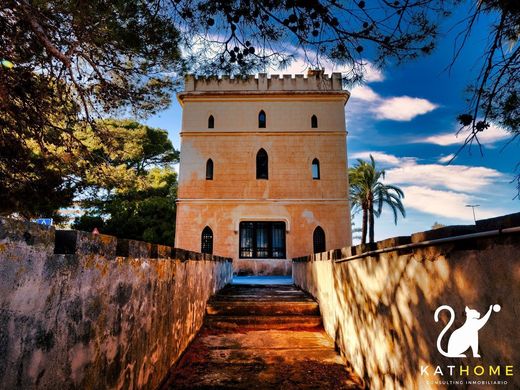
316,169
211,122
206,241
261,120
314,122
209,169
318,239
262,165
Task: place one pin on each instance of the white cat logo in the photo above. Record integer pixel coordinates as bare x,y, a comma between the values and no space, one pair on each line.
467,335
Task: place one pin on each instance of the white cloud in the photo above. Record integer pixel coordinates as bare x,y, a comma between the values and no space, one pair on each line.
372,74
403,108
454,177
365,93
397,108
443,203
379,157
446,159
489,136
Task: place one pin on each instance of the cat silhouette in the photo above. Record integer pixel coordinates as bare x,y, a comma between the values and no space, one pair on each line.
466,336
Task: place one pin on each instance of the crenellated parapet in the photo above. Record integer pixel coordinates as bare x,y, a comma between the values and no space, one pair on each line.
313,81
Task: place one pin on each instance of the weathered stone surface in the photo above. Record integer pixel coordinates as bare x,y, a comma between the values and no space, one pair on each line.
241,352
380,310
90,320
262,267
447,231
503,222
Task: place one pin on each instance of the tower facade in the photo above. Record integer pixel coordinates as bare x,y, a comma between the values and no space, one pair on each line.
263,169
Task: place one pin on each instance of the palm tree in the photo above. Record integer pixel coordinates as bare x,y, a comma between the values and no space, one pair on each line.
369,194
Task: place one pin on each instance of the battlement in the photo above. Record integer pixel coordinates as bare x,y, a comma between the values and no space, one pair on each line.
313,81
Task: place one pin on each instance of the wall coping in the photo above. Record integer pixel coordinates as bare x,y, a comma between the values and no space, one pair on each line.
76,242
481,226
315,81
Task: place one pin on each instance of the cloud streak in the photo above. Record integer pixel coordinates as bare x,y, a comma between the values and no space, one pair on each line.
449,204
489,136
397,108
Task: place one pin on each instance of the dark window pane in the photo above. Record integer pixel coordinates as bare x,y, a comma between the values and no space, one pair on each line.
207,240
278,240
209,169
319,240
211,122
246,239
314,121
262,165
261,120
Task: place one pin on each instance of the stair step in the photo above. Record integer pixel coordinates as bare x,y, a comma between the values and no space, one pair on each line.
263,322
269,308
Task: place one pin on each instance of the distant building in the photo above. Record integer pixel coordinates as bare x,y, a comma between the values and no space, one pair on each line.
263,170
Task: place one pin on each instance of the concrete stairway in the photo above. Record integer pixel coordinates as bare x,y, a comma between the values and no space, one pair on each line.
263,307
261,337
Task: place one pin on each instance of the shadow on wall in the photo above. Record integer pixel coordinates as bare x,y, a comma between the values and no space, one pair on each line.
380,310
95,312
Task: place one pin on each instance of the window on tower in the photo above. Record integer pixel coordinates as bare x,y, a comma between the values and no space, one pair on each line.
314,122
206,241
316,169
318,239
261,120
211,122
209,169
262,165
262,240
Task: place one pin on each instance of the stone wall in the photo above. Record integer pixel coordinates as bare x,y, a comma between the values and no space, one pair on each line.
94,312
380,309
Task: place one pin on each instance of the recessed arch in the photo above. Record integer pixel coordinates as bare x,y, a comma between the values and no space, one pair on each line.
209,169
262,164
206,241
314,122
316,169
262,119
318,240
211,122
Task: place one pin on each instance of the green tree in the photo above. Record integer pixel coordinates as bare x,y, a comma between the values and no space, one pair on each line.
369,194
131,191
146,213
65,64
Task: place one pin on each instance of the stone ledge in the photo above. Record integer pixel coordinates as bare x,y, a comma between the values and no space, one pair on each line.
33,234
497,223
75,242
447,231
503,222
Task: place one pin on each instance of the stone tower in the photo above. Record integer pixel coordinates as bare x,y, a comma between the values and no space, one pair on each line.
263,170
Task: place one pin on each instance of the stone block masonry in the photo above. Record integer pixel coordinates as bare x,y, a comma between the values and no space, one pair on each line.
380,309
95,312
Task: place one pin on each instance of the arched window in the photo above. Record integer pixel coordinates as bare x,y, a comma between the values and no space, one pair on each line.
261,120
314,122
211,122
316,169
318,239
206,241
262,165
209,169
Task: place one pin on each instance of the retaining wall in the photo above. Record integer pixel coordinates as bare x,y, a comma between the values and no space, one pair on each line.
95,312
380,309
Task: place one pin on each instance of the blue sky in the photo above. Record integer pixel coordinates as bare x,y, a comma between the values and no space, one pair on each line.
405,116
